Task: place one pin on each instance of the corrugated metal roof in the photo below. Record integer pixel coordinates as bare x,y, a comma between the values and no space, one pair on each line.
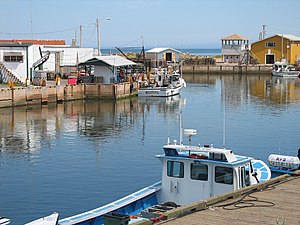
158,50
111,60
289,37
235,37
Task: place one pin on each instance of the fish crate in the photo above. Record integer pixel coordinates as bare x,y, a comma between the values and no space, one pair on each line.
158,210
116,219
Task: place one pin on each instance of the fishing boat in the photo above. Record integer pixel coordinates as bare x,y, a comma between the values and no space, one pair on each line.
190,173
282,69
4,220
165,84
47,220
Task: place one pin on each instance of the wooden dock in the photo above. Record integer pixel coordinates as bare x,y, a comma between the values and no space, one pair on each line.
278,203
274,202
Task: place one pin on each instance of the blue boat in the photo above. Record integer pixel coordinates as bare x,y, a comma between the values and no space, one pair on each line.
190,173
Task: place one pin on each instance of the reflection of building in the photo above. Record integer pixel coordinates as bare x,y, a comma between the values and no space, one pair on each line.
162,56
276,48
234,48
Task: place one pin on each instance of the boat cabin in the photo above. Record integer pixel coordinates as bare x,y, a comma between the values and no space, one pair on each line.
191,173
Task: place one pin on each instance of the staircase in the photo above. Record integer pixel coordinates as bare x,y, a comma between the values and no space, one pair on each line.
6,76
41,61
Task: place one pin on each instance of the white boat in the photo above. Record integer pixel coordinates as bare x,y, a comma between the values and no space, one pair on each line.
284,163
189,174
282,69
4,221
47,220
164,85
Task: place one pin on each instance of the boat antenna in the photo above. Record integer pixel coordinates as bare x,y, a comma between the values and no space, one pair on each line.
180,126
224,111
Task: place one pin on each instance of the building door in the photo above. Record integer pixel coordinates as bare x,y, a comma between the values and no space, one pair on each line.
270,59
169,57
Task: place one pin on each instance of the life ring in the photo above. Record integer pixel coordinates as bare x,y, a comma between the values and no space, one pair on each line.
197,156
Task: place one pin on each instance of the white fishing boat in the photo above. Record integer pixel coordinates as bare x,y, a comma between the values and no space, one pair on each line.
282,69
163,85
190,173
47,220
4,220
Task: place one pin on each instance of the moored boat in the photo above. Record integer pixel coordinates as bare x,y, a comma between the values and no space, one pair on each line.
4,220
189,173
47,220
282,69
164,85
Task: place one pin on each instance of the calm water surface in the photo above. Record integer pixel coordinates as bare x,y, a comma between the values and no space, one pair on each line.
79,155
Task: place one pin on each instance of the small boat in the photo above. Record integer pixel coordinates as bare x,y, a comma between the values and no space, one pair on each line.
190,173
47,220
4,221
284,164
282,69
164,85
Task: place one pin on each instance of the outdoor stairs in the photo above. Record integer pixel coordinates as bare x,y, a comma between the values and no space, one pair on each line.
41,61
6,76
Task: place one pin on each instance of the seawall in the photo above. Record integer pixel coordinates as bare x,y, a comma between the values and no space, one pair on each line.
226,69
34,95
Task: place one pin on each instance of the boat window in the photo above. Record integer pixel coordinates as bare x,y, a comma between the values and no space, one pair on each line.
199,171
243,177
175,169
223,175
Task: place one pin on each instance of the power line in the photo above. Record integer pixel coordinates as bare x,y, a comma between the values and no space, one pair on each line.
38,33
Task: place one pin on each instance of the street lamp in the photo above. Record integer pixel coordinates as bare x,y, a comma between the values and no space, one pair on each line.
98,33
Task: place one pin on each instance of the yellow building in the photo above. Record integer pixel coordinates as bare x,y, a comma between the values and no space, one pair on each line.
277,48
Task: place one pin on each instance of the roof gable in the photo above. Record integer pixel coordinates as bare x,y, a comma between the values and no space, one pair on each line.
235,37
290,37
159,50
111,60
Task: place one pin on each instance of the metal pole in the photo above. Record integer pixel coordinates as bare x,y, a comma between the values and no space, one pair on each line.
98,35
80,39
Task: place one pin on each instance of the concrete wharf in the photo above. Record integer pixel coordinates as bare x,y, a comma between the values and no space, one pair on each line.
275,201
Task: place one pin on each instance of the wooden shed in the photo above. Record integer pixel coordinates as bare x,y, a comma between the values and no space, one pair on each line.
280,47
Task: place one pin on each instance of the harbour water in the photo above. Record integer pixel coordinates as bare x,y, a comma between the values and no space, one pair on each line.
79,155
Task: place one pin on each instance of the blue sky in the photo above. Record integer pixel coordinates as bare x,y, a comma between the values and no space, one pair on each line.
161,23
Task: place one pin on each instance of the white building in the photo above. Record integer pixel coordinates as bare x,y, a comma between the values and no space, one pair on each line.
20,57
234,48
107,68
163,56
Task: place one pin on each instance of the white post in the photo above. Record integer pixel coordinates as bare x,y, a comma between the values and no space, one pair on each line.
98,35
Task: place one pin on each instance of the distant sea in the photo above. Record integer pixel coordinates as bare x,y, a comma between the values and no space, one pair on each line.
194,51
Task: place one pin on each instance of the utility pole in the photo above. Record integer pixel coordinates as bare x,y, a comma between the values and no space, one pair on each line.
264,31
98,35
80,33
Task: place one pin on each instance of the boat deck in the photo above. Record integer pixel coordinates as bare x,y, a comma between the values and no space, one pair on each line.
277,204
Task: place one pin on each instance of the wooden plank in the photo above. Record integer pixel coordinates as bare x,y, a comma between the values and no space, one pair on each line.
277,204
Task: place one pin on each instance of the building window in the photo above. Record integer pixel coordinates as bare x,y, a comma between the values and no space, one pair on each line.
270,44
175,169
12,57
223,175
199,171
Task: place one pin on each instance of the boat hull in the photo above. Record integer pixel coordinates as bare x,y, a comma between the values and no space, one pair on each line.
129,205
159,92
286,74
